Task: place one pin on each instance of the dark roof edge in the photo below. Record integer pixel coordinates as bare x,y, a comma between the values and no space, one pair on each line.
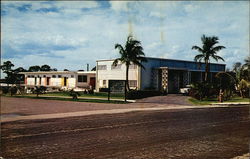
157,58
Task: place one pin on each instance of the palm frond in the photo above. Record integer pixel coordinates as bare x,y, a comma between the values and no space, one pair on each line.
198,48
218,48
217,58
198,57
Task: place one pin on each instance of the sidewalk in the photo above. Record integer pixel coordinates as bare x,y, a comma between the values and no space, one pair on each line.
98,112
231,103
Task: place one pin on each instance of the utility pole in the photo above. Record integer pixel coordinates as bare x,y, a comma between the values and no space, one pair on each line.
87,67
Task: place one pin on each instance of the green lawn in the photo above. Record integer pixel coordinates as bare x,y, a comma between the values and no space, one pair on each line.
95,95
70,99
215,100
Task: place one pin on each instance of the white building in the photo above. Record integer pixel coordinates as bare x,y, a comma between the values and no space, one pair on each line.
159,74
60,79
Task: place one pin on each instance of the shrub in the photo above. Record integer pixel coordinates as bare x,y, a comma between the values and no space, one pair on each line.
5,90
138,94
13,90
201,90
39,90
103,89
74,94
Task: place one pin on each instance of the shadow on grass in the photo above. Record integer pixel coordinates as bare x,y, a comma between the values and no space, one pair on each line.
76,100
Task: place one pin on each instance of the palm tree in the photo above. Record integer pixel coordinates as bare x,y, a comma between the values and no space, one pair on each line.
208,50
247,63
132,53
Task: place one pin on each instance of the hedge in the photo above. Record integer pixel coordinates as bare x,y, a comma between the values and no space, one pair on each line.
138,94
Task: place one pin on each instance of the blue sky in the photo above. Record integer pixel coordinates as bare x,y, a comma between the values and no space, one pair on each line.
68,35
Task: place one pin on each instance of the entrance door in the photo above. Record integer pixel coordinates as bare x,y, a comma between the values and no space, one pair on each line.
65,81
173,81
92,82
48,81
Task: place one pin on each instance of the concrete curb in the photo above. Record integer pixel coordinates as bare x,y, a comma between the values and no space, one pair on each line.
228,103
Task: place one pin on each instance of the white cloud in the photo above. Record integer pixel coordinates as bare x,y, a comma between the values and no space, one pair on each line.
93,33
119,5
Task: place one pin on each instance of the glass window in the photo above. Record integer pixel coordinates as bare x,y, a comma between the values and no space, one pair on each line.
59,76
72,76
28,76
104,82
132,66
116,67
132,83
44,75
102,67
53,76
82,78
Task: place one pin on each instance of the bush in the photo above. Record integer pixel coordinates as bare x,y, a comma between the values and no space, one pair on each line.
13,90
5,90
39,90
103,89
74,94
138,94
203,90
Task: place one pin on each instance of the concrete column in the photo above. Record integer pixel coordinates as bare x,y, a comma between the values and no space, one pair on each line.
165,79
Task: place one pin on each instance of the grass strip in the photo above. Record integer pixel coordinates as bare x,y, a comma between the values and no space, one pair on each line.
70,99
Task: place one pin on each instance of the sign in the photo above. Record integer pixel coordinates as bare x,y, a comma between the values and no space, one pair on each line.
116,85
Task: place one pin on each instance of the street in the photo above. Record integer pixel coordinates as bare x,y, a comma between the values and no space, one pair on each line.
208,133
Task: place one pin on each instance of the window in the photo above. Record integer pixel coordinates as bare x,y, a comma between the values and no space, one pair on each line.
116,67
102,67
32,76
132,83
82,78
53,76
59,76
28,76
44,75
133,66
72,76
104,82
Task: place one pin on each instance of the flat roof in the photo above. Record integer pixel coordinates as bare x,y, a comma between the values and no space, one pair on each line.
59,72
157,58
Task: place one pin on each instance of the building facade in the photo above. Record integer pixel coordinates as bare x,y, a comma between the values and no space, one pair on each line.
60,79
159,74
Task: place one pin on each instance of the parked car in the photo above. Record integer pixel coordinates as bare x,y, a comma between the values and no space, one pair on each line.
185,90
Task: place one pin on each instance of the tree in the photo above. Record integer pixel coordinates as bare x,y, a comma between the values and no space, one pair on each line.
65,70
132,53
93,69
19,77
45,68
208,50
7,69
247,63
13,76
34,68
237,68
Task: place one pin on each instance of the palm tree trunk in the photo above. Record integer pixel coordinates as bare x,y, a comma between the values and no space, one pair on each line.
206,70
126,83
127,69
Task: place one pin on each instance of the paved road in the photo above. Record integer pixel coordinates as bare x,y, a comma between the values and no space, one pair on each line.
11,107
210,133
